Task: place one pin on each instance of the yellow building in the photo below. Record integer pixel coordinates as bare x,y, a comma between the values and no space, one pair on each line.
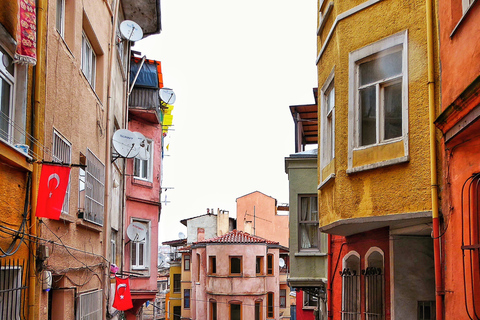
174,302
374,167
21,142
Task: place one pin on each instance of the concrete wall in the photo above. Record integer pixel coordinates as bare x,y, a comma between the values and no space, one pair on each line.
207,222
267,224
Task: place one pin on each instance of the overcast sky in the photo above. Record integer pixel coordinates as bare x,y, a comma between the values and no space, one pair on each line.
235,67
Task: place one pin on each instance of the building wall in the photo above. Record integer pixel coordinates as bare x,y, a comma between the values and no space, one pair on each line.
302,312
207,222
370,192
174,298
267,224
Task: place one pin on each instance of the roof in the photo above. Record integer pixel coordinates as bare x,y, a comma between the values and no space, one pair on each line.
255,192
312,153
237,237
175,243
306,123
184,221
146,13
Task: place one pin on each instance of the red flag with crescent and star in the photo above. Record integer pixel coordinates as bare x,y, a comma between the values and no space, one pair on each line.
51,191
123,298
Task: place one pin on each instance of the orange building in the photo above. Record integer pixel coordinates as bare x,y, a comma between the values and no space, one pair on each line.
460,125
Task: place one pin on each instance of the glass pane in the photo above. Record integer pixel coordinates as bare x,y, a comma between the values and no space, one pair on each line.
381,68
145,169
235,265
60,16
393,111
304,209
368,111
235,311
308,236
4,108
141,247
134,254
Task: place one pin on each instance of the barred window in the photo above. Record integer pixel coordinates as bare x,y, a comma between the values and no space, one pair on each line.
351,287
62,152
94,189
90,305
374,308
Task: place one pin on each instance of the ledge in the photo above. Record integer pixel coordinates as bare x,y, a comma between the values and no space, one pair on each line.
310,254
385,163
14,157
88,225
330,177
67,218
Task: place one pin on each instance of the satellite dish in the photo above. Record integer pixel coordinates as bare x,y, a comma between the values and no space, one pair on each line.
167,95
130,30
281,262
143,146
136,231
181,235
124,143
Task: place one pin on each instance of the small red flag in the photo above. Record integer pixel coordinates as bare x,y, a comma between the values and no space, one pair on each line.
51,191
123,298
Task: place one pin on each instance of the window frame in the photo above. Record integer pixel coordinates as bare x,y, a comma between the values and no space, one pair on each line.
88,56
308,222
234,274
60,18
186,266
177,283
94,199
368,263
238,303
213,310
62,152
139,171
212,265
259,268
136,245
357,294
270,305
282,299
327,142
391,44
258,310
270,264
306,300
186,298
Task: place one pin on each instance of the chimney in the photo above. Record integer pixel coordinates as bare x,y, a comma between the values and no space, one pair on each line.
200,234
223,222
248,227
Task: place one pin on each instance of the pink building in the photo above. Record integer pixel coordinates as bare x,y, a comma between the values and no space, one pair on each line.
143,188
235,276
258,214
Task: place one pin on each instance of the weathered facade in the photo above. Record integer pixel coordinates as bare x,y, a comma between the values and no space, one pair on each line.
459,124
374,171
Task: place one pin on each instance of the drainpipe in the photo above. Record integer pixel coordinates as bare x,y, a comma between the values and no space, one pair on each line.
433,164
329,278
38,117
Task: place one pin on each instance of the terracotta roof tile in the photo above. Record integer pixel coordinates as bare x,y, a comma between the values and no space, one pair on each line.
236,236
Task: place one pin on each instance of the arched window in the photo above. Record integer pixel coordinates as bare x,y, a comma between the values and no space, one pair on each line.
351,286
374,284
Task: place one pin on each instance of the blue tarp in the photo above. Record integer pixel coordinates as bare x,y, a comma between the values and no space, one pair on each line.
148,76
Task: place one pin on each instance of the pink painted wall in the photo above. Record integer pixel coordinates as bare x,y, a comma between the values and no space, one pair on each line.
224,288
268,224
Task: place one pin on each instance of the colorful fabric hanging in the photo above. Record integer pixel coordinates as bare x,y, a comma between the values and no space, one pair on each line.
26,52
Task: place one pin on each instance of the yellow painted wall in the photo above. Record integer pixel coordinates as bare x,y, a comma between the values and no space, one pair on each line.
175,299
398,188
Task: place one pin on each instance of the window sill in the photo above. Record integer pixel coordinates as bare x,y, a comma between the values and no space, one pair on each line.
385,163
142,183
14,157
330,177
89,225
310,254
67,218
460,22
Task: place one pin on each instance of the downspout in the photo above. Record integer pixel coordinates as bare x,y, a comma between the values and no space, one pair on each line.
329,278
433,164
38,117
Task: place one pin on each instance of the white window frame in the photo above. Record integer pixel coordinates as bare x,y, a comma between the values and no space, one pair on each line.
60,18
62,152
367,295
373,51
139,171
306,301
90,305
89,60
327,113
466,4
13,115
94,189
10,301
141,262
307,222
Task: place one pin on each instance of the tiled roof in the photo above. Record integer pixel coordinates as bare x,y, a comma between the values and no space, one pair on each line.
236,236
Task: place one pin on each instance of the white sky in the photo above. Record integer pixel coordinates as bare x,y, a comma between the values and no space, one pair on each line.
235,67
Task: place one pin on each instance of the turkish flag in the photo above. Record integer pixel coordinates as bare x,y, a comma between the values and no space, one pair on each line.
123,298
51,191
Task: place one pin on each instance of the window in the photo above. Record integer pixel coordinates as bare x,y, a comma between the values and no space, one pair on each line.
259,265
62,152
283,298
379,85
177,278
186,298
466,4
270,307
235,265
186,262
213,310
94,189
81,183
90,305
10,291
351,286
309,300
60,17
212,261
374,306
140,256
258,310
235,311
88,60
113,246
270,264
13,89
308,223
143,169
199,265
328,121
426,310
177,313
